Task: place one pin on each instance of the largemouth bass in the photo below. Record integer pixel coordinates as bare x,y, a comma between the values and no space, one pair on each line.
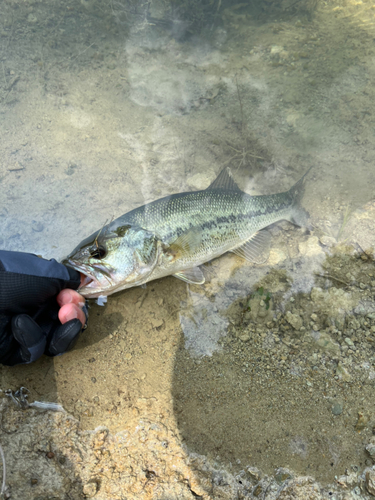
176,234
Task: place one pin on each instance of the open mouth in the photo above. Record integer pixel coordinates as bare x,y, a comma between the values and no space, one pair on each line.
86,278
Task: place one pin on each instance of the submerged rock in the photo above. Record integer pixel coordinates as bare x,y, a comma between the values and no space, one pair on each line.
294,320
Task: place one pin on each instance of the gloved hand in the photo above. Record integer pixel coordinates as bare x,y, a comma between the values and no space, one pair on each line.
29,322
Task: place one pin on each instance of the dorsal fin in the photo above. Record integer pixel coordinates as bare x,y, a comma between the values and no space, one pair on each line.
224,181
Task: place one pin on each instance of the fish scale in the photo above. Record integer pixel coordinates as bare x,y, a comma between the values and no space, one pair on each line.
225,219
176,234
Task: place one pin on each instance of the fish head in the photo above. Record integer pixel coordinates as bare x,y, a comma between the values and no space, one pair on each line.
115,259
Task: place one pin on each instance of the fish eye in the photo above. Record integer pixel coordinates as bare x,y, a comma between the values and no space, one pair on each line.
98,252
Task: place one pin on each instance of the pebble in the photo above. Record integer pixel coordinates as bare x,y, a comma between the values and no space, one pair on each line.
254,473
310,247
337,409
370,482
32,19
37,226
245,337
89,489
343,373
361,422
156,323
370,448
327,241
325,342
294,320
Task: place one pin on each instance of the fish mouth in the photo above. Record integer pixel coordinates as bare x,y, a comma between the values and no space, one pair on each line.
96,281
88,279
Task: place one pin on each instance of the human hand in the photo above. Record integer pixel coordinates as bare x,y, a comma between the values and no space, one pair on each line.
71,304
38,311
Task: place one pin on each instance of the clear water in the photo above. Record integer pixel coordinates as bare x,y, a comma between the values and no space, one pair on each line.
105,106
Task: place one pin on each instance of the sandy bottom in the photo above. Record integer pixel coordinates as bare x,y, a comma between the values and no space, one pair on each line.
259,383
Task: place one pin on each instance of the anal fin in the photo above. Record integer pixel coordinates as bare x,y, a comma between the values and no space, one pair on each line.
193,275
256,249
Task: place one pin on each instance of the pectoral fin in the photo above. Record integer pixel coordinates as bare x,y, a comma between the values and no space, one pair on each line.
193,276
186,244
256,249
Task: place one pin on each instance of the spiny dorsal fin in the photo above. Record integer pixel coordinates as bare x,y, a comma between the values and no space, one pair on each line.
224,181
256,249
193,276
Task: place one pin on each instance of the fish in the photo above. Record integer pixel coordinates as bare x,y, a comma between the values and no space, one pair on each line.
177,234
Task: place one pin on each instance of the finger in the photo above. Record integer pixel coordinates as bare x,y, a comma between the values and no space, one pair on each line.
30,337
64,338
68,296
71,311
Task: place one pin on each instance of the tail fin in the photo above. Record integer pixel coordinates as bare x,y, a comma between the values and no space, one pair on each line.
299,215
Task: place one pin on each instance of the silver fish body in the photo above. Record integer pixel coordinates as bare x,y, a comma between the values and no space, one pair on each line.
176,234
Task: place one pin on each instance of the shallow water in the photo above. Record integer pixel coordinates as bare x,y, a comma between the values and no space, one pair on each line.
270,366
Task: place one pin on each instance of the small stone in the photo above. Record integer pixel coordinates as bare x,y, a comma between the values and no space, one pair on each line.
337,408
349,342
370,482
294,320
90,489
156,323
128,356
292,118
257,491
32,19
276,256
370,448
245,337
361,422
327,241
282,476
343,373
37,226
254,473
311,247
325,342
50,454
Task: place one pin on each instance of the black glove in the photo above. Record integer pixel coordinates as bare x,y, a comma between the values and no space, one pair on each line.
29,324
